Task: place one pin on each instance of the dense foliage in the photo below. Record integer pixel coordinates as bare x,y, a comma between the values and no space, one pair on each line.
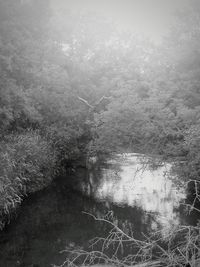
41,121
74,83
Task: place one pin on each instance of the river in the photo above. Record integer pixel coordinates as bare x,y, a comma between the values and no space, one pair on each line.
145,199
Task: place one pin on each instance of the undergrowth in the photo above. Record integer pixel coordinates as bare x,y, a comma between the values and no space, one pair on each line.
27,165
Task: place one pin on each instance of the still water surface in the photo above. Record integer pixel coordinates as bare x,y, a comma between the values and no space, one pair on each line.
52,220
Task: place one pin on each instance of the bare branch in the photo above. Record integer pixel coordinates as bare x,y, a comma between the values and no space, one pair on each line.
101,99
186,251
85,102
116,227
96,104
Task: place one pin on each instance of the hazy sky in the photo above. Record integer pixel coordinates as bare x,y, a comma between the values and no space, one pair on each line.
151,18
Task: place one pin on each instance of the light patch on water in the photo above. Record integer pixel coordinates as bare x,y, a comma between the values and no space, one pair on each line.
136,185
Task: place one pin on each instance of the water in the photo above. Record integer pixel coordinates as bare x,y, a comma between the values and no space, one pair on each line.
128,182
53,220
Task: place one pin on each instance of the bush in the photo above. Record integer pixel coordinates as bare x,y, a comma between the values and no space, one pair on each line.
27,164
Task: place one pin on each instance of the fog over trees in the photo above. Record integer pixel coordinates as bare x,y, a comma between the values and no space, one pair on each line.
81,79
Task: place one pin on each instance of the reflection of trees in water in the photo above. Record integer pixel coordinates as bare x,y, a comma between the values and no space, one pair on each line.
91,178
50,221
191,205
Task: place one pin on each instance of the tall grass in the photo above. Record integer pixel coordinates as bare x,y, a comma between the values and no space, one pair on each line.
27,164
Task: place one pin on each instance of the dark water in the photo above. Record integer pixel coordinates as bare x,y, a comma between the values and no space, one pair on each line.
53,220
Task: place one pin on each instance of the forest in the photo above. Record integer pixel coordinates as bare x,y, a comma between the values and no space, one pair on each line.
75,84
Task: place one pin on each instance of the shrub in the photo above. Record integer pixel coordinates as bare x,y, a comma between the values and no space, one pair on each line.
27,164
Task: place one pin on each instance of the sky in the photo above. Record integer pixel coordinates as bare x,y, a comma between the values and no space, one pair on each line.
150,18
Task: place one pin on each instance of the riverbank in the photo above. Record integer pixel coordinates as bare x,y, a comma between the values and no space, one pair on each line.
29,163
52,220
